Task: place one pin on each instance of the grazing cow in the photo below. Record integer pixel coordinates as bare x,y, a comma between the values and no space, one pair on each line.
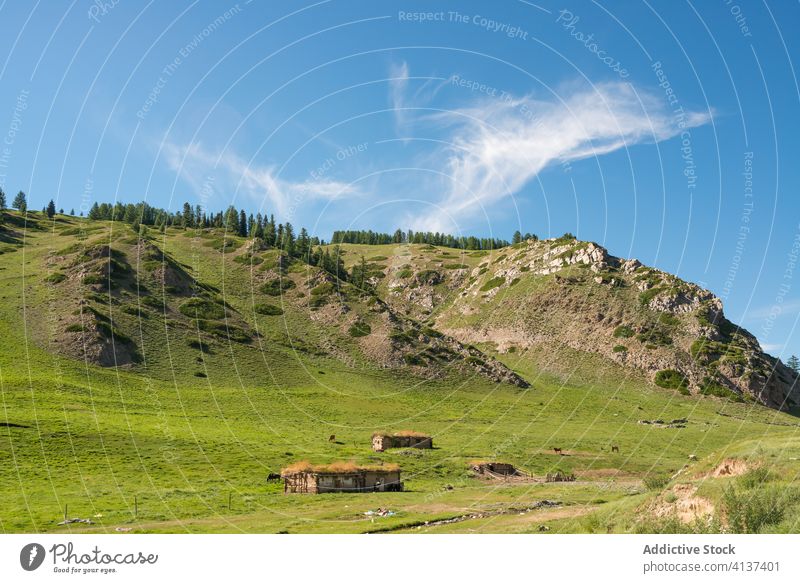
557,450
332,438
271,477
692,458
614,449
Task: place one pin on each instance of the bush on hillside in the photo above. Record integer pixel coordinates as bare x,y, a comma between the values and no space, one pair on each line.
202,309
268,310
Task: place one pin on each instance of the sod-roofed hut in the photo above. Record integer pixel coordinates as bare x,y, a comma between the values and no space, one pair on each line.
495,469
382,441
305,478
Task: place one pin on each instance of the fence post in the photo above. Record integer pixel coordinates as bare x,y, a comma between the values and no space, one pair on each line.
136,507
229,499
65,512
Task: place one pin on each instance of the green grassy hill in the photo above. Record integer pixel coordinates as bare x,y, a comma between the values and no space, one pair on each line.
148,383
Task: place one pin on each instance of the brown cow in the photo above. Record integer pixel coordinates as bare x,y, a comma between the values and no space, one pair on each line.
332,438
614,449
557,450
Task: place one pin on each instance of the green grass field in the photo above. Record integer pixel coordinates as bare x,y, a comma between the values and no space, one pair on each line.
160,449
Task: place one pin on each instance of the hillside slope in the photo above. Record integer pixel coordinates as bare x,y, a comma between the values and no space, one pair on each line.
123,299
563,292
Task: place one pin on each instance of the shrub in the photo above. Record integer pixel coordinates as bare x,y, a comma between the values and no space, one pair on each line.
493,283
75,328
455,266
153,302
378,258
749,512
360,329
55,277
323,289
656,481
93,278
224,245
671,379
134,311
623,332
668,319
222,330
756,477
404,273
248,259
429,277
563,239
712,387
275,287
202,309
268,310
647,296
655,337
620,348
199,345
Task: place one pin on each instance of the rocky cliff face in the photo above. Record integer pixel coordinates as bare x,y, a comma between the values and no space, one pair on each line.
564,292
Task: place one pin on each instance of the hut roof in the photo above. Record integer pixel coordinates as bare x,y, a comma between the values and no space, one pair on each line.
335,468
487,462
403,433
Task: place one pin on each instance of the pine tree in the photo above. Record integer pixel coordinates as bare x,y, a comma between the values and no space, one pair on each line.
303,244
2,199
188,215
270,233
20,202
51,209
242,223
231,221
358,275
516,238
94,212
794,363
288,240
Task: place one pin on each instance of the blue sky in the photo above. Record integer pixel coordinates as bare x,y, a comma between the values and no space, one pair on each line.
666,131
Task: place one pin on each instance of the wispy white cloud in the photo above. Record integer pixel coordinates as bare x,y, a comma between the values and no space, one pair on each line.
233,174
497,145
773,311
398,82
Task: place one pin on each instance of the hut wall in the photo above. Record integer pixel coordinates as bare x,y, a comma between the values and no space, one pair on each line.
382,481
340,483
362,481
379,442
502,469
303,483
384,442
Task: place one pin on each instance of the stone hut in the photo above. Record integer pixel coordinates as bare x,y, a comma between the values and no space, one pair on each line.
495,469
384,441
559,476
304,478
